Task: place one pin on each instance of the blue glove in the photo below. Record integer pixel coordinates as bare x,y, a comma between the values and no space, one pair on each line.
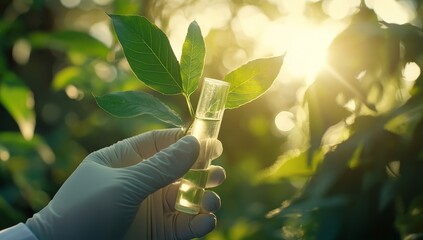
127,191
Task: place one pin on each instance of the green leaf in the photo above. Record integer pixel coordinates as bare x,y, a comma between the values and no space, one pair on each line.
67,76
291,164
28,149
17,98
251,80
132,103
127,7
74,41
192,59
149,53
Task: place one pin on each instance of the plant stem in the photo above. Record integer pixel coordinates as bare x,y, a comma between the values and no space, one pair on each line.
191,112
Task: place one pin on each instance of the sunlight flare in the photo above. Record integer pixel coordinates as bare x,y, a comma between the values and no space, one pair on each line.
411,72
304,42
285,121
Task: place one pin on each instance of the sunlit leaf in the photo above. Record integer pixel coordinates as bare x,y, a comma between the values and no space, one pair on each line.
66,76
149,53
67,40
127,6
251,80
17,98
290,165
132,103
192,58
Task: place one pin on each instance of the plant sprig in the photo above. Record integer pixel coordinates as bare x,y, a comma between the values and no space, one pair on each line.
153,61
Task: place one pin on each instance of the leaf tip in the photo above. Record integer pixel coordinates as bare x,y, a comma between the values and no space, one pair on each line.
281,57
111,15
194,24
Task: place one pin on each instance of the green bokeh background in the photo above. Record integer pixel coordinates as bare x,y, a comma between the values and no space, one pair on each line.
66,65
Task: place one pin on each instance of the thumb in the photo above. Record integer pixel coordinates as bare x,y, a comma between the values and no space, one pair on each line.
166,166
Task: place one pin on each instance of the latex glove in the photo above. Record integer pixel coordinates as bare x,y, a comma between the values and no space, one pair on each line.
101,199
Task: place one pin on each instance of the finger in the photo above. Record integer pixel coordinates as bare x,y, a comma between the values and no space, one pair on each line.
210,202
218,149
149,143
164,167
194,226
202,224
216,176
132,150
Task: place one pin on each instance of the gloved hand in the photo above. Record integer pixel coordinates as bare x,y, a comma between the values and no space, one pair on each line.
127,191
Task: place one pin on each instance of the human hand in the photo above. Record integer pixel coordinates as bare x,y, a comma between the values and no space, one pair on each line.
126,191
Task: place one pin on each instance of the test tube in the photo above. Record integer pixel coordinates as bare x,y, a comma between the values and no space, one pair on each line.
205,128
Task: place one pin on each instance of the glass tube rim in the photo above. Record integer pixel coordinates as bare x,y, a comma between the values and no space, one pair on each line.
216,81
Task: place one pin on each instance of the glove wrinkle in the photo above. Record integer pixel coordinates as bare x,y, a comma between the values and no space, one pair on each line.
156,138
170,197
173,225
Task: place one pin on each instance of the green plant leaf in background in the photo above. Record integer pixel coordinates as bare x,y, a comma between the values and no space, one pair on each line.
66,76
27,161
68,40
292,164
133,103
128,7
251,80
19,102
32,149
149,53
192,59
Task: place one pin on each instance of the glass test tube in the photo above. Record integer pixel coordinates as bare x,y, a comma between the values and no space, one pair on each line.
205,128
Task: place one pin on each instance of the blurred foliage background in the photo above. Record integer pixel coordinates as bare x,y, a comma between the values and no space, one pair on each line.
336,142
